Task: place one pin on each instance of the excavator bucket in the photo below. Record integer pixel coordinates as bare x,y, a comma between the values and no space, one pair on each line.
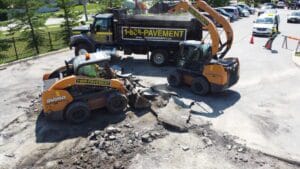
138,101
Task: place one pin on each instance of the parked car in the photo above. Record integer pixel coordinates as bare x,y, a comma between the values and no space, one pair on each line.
223,12
266,24
242,12
295,4
213,20
250,9
263,9
280,4
273,6
294,17
232,10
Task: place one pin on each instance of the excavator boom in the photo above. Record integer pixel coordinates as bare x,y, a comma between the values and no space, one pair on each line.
217,45
200,4
215,39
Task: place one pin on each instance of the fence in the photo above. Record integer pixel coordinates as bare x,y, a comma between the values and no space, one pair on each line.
12,49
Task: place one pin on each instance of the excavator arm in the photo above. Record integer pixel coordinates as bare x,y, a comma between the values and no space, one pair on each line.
206,22
200,4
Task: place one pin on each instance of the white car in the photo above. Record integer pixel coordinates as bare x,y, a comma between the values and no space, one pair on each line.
294,17
266,25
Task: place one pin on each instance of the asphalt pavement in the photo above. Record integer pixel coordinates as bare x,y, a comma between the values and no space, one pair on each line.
261,110
266,115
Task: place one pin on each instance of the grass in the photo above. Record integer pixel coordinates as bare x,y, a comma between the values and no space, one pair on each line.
10,55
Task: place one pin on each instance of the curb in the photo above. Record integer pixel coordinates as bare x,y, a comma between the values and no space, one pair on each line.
296,59
3,66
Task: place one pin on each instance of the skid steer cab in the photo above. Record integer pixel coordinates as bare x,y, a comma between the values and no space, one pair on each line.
198,69
84,84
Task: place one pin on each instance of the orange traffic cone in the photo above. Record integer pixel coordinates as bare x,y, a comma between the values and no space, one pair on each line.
268,45
252,40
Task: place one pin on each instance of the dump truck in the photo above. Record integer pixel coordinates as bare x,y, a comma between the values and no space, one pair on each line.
139,34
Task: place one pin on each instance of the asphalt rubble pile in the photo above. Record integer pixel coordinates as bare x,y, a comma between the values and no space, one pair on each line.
113,147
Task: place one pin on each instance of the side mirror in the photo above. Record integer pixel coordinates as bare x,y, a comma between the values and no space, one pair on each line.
92,30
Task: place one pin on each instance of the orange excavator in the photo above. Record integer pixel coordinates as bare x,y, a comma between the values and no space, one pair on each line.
203,66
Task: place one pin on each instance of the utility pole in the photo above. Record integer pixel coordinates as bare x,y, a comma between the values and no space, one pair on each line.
85,11
110,3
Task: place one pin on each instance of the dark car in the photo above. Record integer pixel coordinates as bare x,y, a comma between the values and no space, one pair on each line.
223,12
242,12
232,10
251,10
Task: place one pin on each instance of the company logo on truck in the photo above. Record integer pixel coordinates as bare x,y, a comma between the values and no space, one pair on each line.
156,34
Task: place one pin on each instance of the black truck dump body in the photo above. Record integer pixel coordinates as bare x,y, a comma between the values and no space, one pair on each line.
155,31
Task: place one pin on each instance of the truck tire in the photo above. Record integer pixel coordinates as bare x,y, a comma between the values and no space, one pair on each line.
82,49
200,86
159,57
116,103
77,112
175,79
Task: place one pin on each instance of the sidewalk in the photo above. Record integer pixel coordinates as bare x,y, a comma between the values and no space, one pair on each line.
296,58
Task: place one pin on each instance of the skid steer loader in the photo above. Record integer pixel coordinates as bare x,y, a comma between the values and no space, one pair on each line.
87,83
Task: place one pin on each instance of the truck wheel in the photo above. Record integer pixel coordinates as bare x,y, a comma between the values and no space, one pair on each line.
200,86
175,79
82,49
116,103
77,112
159,57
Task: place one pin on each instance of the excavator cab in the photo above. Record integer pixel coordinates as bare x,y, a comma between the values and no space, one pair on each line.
194,55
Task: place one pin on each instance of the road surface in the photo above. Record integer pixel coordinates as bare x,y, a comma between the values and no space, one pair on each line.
261,110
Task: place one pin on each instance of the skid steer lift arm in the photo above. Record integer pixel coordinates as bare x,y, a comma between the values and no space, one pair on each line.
200,4
215,39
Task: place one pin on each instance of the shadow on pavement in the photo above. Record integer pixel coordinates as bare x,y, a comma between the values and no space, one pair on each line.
55,131
212,105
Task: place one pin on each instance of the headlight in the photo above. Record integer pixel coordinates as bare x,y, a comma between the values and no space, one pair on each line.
269,30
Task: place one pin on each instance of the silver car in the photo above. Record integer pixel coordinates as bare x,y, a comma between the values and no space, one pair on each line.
294,17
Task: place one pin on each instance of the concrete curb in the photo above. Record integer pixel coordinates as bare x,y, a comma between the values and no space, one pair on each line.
296,59
3,66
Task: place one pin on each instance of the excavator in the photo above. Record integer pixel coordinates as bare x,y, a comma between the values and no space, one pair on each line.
202,66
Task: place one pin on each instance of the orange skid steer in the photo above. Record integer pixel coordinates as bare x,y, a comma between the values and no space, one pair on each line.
88,83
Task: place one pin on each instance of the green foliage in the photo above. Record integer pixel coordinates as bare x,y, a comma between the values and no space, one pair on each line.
25,14
39,37
71,18
4,46
217,3
110,3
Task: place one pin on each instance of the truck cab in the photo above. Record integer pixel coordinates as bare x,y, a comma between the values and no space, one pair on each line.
96,35
102,28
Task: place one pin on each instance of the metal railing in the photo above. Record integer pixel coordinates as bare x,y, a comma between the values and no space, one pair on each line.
15,48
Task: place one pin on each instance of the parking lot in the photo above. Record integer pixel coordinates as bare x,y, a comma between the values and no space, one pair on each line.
261,111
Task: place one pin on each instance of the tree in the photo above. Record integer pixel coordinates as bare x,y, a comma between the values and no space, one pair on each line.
3,10
4,46
217,3
24,13
70,18
110,3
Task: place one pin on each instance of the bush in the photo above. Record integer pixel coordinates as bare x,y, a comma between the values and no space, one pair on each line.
3,15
